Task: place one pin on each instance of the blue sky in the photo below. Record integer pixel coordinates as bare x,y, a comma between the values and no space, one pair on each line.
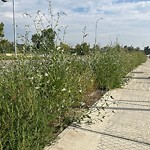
125,20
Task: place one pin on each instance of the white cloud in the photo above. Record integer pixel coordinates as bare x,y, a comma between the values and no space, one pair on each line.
129,21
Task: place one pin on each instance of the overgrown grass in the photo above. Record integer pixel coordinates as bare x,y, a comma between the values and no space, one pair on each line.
113,63
40,97
7,57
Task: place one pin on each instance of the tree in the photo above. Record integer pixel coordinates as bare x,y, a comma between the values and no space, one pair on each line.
130,48
1,30
4,1
64,47
82,49
137,49
44,41
147,50
2,42
36,40
5,45
96,48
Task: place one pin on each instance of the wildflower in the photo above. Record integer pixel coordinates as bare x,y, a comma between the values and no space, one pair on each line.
40,76
80,91
58,48
37,88
82,104
48,82
64,89
46,74
31,78
67,68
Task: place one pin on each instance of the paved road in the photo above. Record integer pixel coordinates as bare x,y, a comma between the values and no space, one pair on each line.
127,128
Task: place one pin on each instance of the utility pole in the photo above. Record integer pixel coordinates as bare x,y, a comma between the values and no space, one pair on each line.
96,31
14,26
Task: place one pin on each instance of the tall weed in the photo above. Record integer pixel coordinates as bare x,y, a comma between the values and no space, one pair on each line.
41,96
112,64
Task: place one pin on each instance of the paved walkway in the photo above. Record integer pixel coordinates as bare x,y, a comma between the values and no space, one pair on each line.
127,122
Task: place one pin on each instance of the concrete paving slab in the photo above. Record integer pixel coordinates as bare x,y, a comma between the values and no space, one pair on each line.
127,128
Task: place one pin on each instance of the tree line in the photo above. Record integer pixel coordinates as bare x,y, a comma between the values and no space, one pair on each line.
44,42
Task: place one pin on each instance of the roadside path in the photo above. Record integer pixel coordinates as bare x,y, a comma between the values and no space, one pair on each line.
127,128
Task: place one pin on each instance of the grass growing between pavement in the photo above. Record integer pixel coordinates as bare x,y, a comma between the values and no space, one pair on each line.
40,97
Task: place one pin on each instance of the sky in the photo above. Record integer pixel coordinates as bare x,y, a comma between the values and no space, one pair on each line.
124,21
